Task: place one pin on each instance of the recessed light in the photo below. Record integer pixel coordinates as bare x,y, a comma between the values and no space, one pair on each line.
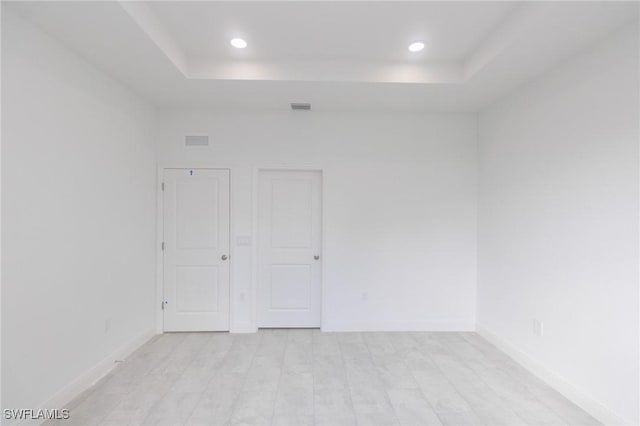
238,43
416,46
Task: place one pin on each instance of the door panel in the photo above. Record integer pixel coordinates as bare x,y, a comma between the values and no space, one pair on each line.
196,213
290,286
289,239
196,238
197,289
291,214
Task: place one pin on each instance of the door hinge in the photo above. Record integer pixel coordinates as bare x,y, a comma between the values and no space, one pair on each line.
162,246
163,186
162,304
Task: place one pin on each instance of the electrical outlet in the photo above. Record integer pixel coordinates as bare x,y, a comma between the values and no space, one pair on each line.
242,297
365,296
538,327
107,326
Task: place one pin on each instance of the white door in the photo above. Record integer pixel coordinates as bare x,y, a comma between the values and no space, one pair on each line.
289,249
196,250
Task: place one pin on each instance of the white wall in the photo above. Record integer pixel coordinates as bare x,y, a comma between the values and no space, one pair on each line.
558,223
78,210
400,207
558,217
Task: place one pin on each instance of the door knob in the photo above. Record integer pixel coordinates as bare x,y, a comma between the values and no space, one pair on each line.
316,257
224,257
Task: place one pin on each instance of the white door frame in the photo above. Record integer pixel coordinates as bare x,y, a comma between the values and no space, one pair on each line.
160,239
255,263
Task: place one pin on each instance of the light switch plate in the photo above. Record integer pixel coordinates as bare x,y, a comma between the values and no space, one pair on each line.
243,241
538,328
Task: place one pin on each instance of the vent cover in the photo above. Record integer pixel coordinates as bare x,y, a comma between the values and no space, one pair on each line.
300,106
193,140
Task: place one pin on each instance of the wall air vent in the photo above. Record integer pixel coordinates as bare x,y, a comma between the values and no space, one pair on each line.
300,106
193,140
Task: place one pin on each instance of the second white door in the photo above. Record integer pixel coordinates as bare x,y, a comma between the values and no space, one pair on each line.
289,249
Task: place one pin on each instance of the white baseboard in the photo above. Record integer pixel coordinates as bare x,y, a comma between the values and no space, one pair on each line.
87,379
431,325
570,391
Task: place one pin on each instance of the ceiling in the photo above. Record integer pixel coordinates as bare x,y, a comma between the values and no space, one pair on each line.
350,31
338,55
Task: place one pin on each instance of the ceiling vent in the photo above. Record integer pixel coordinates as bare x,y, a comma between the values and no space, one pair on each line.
300,106
195,140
